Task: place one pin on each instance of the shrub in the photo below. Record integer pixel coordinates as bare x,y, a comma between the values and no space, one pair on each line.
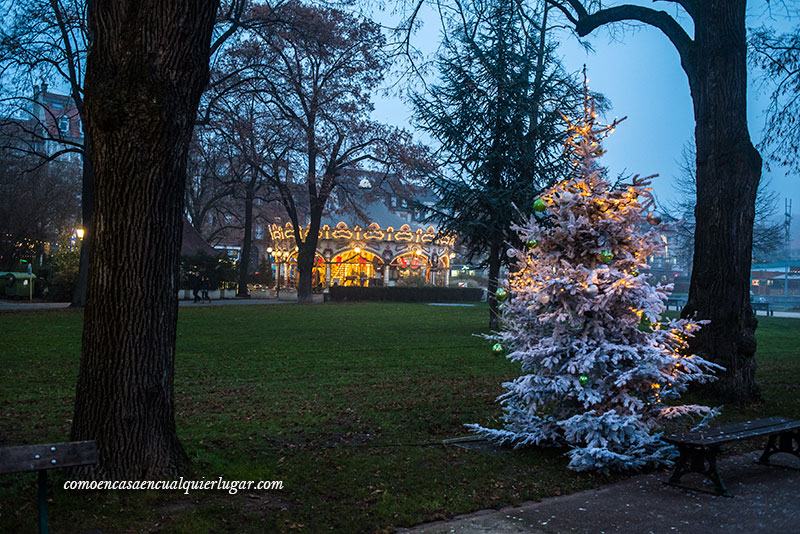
57,276
414,280
407,294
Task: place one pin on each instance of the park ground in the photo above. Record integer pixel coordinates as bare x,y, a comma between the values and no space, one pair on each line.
347,404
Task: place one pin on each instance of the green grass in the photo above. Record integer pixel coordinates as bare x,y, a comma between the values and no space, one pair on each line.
347,404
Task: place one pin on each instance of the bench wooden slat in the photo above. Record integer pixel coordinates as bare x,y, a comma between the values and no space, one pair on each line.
733,432
47,456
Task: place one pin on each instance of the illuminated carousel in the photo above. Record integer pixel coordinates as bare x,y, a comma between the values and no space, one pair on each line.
352,255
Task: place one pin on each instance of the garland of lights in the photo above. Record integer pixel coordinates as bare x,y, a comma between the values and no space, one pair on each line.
600,371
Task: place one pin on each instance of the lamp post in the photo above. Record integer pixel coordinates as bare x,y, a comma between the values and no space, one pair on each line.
269,258
77,235
434,261
286,266
327,254
278,255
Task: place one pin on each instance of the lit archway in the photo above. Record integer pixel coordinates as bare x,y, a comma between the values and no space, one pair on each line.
413,263
355,267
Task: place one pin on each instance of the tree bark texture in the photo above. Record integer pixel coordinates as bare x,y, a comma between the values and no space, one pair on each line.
146,69
306,254
494,275
728,173
87,214
247,242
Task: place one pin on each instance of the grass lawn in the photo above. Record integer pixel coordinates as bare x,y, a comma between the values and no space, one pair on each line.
345,403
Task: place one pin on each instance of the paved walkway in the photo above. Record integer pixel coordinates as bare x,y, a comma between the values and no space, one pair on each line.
795,315
766,501
24,305
240,302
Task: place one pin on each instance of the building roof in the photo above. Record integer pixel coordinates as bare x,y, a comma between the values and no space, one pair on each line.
375,200
193,243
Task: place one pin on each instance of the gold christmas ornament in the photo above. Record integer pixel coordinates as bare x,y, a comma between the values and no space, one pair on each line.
654,218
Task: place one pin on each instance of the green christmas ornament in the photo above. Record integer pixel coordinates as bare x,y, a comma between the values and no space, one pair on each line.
583,379
539,205
607,256
531,243
497,349
501,295
635,272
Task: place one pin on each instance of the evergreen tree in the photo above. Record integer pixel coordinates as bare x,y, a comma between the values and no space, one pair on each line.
599,370
495,117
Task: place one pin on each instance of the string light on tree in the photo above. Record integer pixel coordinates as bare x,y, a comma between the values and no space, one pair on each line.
591,379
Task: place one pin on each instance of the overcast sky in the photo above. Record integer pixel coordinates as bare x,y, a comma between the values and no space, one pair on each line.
642,76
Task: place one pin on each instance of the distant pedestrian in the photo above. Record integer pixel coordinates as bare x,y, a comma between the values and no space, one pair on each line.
196,288
205,285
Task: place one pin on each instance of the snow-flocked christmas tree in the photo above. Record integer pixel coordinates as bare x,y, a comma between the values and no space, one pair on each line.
600,373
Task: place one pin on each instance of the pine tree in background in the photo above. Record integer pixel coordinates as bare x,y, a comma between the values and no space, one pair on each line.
600,373
495,117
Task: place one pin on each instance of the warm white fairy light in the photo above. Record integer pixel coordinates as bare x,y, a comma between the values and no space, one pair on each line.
595,358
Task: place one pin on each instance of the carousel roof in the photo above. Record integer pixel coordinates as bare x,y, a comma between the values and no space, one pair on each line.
372,211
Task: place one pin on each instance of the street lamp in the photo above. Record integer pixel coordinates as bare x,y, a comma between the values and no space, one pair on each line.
269,260
286,268
276,253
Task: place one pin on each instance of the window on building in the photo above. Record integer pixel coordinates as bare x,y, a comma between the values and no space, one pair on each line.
63,125
259,232
394,201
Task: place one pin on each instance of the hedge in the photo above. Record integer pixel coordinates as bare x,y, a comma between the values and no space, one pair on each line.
407,294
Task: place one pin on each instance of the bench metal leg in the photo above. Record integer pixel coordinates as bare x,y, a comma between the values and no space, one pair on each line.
694,460
43,501
788,442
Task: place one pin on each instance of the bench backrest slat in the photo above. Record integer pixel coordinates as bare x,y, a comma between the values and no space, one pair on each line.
47,456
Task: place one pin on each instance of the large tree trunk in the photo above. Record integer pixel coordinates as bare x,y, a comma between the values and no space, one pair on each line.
146,70
306,254
87,214
494,274
728,172
247,244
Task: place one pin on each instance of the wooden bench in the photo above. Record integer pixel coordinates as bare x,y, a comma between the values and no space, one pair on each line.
762,306
41,458
699,449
